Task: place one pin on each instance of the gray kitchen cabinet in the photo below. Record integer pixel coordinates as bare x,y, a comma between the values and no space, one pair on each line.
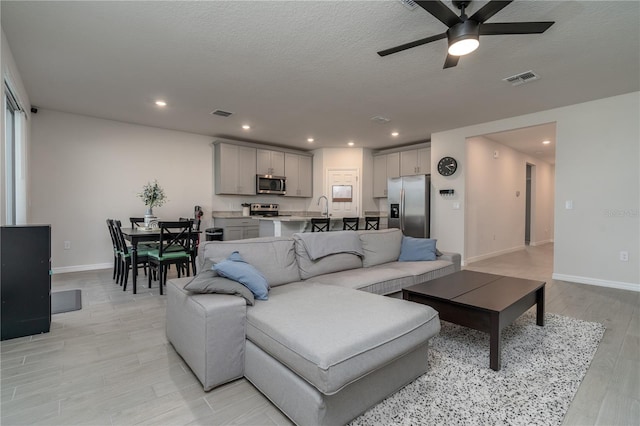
270,162
299,173
385,166
234,169
238,228
415,162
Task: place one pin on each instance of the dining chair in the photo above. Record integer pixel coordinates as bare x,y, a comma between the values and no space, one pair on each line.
350,223
371,222
320,225
195,236
116,250
137,222
175,248
125,257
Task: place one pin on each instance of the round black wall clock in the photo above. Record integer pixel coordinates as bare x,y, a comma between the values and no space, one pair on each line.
447,166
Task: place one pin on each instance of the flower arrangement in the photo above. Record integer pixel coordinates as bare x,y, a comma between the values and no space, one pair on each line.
152,195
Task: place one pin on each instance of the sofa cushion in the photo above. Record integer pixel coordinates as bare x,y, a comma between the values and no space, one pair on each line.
380,246
424,271
236,269
325,265
417,249
274,257
208,281
332,336
378,279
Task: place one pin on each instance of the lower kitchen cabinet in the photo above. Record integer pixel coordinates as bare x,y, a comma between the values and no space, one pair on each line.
238,228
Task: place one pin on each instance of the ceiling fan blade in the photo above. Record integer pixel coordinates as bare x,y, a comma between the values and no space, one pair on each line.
451,61
515,28
412,44
489,9
440,11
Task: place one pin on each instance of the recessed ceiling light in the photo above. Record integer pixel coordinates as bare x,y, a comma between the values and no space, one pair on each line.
310,140
246,126
546,142
350,143
161,103
394,134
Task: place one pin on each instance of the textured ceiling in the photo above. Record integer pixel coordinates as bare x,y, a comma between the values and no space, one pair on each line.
300,69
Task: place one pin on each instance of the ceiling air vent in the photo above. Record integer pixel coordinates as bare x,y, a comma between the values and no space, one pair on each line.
523,77
221,113
380,120
409,4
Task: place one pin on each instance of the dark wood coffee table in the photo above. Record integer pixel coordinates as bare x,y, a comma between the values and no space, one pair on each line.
484,302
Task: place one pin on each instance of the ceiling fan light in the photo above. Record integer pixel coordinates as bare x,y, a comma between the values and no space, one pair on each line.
463,47
463,38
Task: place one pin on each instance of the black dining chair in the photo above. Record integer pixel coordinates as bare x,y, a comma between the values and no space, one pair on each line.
125,263
175,248
372,222
320,224
350,223
195,235
137,222
116,250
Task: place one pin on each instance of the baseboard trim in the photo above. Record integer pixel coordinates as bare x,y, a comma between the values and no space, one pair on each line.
597,282
81,268
540,243
493,254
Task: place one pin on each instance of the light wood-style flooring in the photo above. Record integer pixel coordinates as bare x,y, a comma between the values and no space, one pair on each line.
110,363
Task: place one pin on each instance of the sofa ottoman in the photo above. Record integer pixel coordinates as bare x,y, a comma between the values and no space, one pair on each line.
331,337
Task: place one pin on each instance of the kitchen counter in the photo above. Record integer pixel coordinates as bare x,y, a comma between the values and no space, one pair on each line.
278,226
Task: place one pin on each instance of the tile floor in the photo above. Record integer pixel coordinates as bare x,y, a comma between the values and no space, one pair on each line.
110,363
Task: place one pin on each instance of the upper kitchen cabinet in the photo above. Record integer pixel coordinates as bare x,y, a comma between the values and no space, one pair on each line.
385,166
415,162
270,162
298,170
234,169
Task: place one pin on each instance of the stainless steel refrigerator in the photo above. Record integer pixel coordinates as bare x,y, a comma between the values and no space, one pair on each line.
409,200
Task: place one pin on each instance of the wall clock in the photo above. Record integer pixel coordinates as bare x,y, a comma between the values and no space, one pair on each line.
447,166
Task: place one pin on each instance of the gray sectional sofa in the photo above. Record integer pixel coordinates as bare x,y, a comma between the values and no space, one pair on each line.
318,348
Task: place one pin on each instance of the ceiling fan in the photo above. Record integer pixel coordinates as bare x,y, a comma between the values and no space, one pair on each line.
463,32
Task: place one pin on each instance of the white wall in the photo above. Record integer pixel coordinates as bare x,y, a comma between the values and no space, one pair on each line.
597,167
85,170
496,199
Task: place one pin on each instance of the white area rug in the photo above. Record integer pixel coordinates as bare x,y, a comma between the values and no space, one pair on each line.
542,368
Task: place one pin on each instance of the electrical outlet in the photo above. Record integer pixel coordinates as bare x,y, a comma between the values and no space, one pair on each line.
624,256
67,245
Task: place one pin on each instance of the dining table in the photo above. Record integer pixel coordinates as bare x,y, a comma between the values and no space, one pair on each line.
138,235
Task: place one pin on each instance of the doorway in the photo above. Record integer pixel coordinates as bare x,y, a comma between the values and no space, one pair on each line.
343,192
528,203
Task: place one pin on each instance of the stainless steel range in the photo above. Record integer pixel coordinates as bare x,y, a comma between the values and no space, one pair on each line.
257,209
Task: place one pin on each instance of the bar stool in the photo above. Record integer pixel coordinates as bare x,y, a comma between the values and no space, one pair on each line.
350,223
372,222
320,225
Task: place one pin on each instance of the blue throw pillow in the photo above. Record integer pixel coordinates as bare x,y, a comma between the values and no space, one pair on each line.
236,269
414,249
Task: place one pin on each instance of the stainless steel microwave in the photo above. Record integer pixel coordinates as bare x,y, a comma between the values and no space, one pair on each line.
267,184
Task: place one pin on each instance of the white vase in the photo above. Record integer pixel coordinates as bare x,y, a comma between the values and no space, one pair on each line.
148,217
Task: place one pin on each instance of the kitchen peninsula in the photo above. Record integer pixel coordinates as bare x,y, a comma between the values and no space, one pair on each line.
285,226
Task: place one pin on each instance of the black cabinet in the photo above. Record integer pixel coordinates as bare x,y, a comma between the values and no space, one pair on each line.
25,280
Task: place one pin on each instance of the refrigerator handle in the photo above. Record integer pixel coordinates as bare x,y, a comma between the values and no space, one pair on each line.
402,210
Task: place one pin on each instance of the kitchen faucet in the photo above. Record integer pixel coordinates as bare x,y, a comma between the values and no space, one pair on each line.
325,211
